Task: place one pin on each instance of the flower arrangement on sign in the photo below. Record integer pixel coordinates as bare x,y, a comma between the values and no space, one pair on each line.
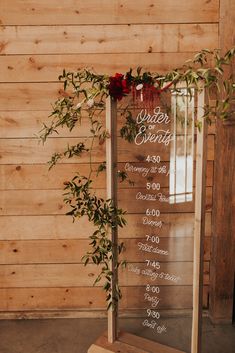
83,95
143,87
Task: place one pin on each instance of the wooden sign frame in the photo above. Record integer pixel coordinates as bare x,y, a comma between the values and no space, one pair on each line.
114,340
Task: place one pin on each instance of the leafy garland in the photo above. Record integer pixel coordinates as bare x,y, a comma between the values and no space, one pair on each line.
86,92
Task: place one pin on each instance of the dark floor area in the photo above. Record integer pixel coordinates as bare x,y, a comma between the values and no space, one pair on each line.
76,335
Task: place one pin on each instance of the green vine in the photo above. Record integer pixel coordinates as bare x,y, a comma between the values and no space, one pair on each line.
84,95
104,216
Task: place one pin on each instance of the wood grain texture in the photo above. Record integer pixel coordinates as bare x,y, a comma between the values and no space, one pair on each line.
174,225
28,96
147,345
56,275
85,298
30,151
111,187
47,68
62,227
44,227
25,299
223,242
222,269
92,12
50,202
37,176
76,275
32,202
104,39
140,205
25,124
128,343
199,230
40,247
191,40
181,270
71,251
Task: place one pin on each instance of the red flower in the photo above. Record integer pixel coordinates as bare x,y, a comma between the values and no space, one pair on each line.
118,86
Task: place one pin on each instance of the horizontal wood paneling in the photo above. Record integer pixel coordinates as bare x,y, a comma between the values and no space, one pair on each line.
50,202
182,270
191,40
32,202
43,251
18,299
14,299
22,151
62,227
24,124
180,249
71,251
137,205
105,11
44,227
125,153
38,176
76,275
140,180
56,275
28,96
47,68
174,225
103,39
40,247
133,296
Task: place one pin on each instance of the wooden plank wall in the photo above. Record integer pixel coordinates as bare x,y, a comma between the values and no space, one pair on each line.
40,248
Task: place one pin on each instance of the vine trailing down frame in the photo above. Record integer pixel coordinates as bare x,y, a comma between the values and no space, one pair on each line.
84,93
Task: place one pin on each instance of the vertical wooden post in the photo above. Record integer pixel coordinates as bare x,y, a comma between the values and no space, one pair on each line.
223,226
111,184
199,228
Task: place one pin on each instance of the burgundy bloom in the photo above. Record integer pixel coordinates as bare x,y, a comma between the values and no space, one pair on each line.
118,86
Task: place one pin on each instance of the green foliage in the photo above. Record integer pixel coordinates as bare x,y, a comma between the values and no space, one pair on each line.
70,152
129,130
83,99
105,216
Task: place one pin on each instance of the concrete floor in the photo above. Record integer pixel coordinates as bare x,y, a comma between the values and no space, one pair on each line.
76,335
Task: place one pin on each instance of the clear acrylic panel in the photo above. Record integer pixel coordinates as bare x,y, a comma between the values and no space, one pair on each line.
156,188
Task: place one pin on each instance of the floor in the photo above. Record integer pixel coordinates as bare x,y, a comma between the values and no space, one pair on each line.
76,335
